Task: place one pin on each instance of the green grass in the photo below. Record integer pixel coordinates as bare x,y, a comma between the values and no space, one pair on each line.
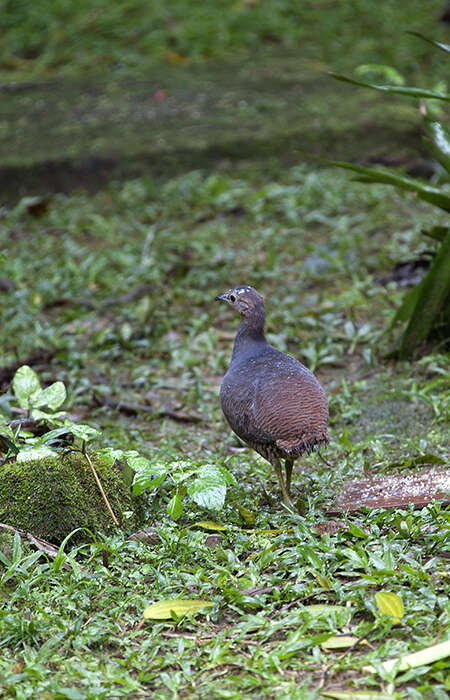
315,244
93,91
58,38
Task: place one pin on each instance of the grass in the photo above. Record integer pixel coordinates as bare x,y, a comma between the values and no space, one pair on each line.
60,39
92,93
120,286
315,244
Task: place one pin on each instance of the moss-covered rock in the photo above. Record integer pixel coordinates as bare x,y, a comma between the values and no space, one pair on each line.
51,497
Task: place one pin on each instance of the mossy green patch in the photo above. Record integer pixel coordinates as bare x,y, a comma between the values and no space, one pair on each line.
53,496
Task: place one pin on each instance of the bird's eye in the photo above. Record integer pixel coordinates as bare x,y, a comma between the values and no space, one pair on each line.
232,298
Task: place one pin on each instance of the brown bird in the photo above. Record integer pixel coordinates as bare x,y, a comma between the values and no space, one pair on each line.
271,401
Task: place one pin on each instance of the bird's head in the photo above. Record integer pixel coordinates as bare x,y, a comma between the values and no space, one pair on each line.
244,299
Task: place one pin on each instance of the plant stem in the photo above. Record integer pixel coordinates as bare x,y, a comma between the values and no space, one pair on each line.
99,483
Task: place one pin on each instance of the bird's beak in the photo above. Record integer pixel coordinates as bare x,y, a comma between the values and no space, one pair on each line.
222,297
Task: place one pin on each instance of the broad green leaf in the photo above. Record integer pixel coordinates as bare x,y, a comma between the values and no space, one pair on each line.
49,417
81,431
209,488
175,506
208,493
359,695
428,193
209,525
438,44
138,464
163,609
52,396
390,604
147,474
432,300
439,142
228,476
424,657
395,89
144,480
112,453
26,386
150,478
342,641
37,453
53,435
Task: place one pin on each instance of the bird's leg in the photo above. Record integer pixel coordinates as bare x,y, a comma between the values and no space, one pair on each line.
277,465
288,464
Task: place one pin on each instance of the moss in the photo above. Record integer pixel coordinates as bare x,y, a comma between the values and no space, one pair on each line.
53,496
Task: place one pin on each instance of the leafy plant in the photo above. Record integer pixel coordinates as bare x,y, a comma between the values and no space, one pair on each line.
31,398
207,483
426,308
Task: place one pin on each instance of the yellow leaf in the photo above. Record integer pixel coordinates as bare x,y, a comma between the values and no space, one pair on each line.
163,609
246,514
209,525
390,604
342,641
175,57
323,581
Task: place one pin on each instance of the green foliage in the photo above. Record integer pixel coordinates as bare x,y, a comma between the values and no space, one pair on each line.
174,609
52,36
425,310
315,244
31,397
207,483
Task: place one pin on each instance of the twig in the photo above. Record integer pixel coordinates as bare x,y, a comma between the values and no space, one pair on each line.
99,483
134,409
323,459
46,547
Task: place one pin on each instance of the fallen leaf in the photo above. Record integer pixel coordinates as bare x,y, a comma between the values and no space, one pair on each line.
390,604
343,641
213,540
209,525
164,609
329,526
246,514
149,535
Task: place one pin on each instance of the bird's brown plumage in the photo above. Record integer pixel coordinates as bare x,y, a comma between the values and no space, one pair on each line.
271,401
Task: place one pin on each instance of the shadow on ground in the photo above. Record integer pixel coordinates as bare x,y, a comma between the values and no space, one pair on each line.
60,136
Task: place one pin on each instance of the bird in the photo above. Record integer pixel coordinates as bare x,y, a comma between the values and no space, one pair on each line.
270,400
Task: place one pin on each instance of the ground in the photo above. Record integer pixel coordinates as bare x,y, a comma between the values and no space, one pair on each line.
115,287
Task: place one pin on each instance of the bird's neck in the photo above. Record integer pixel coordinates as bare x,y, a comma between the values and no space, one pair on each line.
250,336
